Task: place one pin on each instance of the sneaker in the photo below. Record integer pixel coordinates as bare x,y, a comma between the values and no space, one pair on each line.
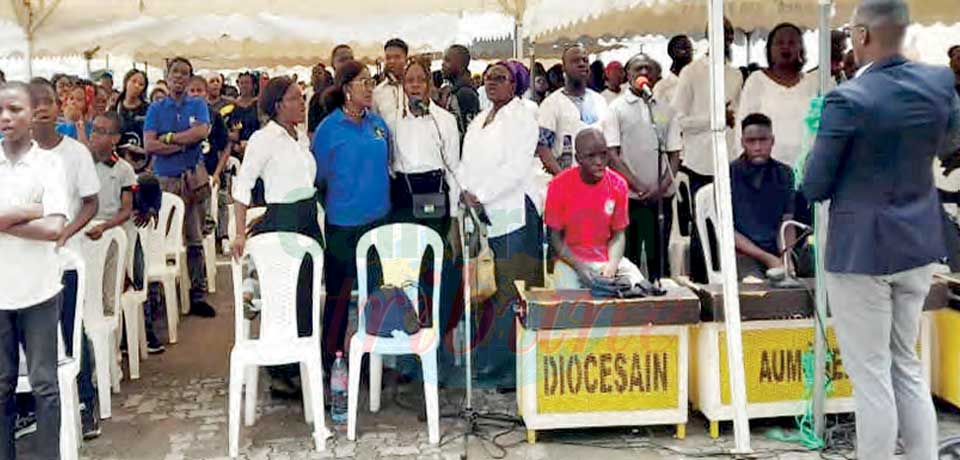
156,349
202,309
25,425
90,422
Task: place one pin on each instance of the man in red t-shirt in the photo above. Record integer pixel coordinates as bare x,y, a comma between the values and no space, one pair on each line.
587,211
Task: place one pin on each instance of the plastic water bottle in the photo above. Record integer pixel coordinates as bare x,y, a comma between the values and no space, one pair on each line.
339,379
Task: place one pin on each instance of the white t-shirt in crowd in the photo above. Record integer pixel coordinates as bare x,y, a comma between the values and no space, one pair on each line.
30,269
692,102
81,178
665,89
388,100
565,116
786,107
611,96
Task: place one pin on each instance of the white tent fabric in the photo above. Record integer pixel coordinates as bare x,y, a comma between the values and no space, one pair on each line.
267,32
552,20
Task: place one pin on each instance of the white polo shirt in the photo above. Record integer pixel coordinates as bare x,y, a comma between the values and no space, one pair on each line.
30,269
629,127
81,178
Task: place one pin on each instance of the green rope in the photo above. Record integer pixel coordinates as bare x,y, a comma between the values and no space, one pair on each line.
806,434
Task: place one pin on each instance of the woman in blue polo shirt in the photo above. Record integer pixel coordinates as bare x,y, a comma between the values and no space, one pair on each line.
351,147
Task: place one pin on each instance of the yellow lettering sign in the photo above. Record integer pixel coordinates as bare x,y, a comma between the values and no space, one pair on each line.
604,374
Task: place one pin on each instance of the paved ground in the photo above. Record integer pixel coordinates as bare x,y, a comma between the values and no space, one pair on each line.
177,411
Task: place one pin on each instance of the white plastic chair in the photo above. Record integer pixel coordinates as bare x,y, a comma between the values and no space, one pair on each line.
68,367
278,257
210,242
401,248
170,219
132,301
707,222
679,246
159,268
101,316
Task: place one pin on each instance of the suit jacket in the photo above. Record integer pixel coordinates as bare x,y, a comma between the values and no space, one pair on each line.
873,158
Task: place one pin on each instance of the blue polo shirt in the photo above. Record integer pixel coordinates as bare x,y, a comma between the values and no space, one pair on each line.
169,116
761,195
353,161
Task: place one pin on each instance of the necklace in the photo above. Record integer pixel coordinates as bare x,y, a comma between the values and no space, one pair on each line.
355,114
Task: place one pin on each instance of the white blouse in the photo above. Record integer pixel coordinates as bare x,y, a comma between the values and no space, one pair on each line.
786,107
286,166
419,143
497,162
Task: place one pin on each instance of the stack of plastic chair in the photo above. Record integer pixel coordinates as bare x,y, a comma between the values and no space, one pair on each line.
131,302
68,367
169,225
210,242
401,248
707,222
101,315
278,257
171,221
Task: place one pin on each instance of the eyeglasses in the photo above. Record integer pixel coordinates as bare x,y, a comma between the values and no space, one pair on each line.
365,83
103,132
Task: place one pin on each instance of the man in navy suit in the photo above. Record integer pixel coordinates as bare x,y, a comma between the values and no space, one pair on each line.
872,159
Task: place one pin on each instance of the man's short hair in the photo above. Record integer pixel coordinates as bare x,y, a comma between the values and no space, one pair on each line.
397,43
873,13
953,49
641,57
568,48
674,43
756,119
114,119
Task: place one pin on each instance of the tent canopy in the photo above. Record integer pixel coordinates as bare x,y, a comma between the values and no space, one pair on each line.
267,32
551,20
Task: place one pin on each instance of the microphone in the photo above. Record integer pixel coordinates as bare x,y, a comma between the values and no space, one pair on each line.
419,106
642,84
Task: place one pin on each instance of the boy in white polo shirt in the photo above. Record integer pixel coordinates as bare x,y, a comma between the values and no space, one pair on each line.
33,211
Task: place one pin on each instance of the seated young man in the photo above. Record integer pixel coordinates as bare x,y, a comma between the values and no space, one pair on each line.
587,212
763,198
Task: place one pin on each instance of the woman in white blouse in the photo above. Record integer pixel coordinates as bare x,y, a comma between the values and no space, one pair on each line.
498,156
781,91
288,169
426,151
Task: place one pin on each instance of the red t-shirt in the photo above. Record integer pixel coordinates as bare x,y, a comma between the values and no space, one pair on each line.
587,214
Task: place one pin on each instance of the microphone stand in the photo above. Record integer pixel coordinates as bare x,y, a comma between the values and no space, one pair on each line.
660,237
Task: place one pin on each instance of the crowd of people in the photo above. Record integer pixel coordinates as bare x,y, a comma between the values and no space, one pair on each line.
584,156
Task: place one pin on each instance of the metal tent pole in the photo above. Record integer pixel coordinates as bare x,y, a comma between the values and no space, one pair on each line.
28,59
820,216
731,291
